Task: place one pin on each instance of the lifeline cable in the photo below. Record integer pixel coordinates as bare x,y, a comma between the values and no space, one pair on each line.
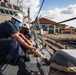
66,20
40,9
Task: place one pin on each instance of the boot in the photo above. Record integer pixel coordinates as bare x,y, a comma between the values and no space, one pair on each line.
22,67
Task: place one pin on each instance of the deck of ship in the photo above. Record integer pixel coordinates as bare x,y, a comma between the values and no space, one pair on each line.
35,64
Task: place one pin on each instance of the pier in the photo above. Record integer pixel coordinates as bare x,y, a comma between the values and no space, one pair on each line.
57,42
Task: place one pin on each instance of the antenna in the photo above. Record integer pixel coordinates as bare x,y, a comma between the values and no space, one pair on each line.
17,2
29,16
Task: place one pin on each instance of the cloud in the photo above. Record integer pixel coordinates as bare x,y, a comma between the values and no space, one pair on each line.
33,4
60,14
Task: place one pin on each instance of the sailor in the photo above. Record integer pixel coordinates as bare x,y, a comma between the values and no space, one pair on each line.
25,30
13,43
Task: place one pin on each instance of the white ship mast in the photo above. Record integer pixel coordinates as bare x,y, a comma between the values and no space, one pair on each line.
17,2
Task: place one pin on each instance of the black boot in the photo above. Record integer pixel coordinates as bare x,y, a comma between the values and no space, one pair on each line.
22,67
23,73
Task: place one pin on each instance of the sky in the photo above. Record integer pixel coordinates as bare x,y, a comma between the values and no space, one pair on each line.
56,10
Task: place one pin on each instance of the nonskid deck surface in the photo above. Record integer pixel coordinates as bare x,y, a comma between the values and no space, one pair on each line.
35,64
31,66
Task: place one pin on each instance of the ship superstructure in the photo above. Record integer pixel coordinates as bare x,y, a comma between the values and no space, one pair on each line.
7,9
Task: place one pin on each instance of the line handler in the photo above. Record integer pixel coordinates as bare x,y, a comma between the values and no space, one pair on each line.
13,44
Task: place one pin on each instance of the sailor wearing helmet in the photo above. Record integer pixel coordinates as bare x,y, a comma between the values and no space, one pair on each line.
12,43
25,31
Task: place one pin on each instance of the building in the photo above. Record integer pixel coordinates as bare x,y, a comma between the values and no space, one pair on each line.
70,30
50,26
